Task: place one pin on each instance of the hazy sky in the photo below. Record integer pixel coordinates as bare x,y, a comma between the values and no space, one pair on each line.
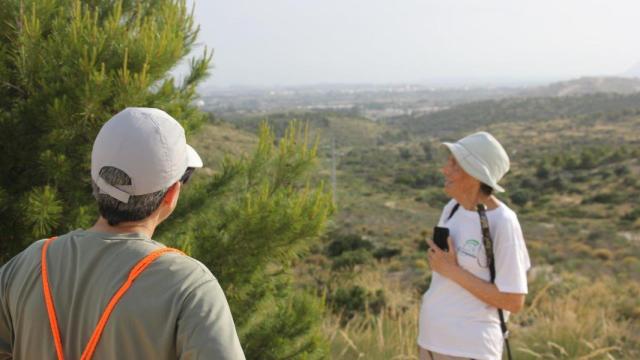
295,42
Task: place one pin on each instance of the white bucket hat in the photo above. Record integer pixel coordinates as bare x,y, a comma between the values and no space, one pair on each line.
482,157
148,145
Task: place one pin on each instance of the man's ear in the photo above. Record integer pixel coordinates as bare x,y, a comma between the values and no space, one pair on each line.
172,194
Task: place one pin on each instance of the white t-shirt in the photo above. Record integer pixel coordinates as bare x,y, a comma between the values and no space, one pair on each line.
452,320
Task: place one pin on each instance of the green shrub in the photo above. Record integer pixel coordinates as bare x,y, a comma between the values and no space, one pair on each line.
422,244
521,197
574,212
632,215
419,179
607,198
435,197
631,182
543,171
580,178
386,253
622,170
349,242
356,299
529,183
405,153
348,260
558,184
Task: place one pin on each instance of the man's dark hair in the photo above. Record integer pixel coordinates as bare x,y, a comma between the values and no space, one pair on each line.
114,211
486,189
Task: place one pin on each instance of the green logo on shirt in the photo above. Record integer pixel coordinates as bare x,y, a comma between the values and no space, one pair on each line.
470,248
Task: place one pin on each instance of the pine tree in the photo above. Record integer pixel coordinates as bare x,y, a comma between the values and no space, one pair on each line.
67,66
248,225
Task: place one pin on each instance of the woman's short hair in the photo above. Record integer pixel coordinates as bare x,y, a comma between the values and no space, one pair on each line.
486,189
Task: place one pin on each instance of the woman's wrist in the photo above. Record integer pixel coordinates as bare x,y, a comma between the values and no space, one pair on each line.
457,274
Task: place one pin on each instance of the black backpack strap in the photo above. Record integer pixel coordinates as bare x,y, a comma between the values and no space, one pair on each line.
488,247
453,211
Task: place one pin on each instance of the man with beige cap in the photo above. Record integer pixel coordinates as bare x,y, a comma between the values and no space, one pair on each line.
482,276
111,292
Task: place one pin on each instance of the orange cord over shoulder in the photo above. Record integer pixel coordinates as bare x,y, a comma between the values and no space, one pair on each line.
97,333
48,299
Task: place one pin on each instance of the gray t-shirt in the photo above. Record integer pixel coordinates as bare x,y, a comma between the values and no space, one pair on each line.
174,310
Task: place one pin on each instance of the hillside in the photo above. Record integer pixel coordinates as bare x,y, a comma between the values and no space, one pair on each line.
586,85
217,139
463,118
574,184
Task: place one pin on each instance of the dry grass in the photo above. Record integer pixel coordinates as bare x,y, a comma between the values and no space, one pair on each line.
568,318
387,336
390,335
579,320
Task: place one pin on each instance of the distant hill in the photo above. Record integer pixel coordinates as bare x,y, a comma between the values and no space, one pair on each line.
460,119
632,72
587,85
348,128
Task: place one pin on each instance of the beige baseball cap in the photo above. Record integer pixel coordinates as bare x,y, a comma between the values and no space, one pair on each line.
148,145
482,157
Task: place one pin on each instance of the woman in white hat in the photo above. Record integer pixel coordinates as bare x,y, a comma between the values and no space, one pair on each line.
460,316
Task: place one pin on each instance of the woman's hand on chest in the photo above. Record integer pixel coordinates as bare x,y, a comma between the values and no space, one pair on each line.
443,262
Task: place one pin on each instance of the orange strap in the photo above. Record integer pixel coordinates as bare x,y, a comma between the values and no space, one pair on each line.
95,337
48,299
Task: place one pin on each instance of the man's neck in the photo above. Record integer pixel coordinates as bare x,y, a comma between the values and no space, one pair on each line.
146,227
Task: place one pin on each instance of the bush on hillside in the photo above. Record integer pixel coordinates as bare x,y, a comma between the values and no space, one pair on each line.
356,299
385,253
405,153
348,260
418,179
348,242
622,170
557,184
632,215
607,198
521,197
543,170
435,197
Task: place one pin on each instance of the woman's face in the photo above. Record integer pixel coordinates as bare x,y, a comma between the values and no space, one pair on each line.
457,183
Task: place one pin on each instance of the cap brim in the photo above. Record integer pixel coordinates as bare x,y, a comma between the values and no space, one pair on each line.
193,159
